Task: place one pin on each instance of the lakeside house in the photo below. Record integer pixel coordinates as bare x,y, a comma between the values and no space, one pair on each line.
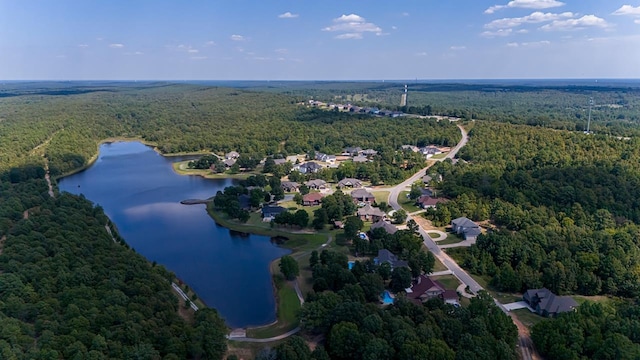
312,199
546,303
465,227
388,227
269,212
229,162
370,213
349,183
425,288
362,196
387,256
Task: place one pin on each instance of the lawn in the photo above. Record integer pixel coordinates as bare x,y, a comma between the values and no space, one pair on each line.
527,318
381,196
288,308
407,204
451,239
450,282
438,156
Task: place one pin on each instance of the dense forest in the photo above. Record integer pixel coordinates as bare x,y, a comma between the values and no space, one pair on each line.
187,118
67,290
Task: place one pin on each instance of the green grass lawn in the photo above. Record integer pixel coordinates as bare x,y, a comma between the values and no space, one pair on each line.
407,204
450,282
451,239
381,196
438,156
527,318
288,308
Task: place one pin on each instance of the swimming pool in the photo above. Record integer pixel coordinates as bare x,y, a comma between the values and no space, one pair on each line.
387,298
350,264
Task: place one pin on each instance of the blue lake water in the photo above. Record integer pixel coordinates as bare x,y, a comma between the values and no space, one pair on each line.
141,194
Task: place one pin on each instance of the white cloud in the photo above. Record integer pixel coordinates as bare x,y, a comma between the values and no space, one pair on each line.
499,32
61,56
349,36
236,37
533,18
193,51
628,10
637,21
116,46
281,51
423,53
83,46
394,28
529,44
405,14
288,15
210,43
526,4
457,48
576,24
198,57
513,44
352,26
134,53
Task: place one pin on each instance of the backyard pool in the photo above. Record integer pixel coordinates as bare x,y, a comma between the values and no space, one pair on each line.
350,264
387,298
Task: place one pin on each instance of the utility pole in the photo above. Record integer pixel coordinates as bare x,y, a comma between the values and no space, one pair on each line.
589,120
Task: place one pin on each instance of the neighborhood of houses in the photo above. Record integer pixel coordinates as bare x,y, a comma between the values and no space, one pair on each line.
356,109
424,287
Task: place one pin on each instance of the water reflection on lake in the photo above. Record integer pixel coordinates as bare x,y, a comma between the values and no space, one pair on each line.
140,193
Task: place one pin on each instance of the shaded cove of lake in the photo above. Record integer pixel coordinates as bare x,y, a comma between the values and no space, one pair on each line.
141,194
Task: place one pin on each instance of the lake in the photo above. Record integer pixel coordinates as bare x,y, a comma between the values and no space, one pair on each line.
141,194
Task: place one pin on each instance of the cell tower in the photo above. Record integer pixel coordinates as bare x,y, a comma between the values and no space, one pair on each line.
589,120
403,102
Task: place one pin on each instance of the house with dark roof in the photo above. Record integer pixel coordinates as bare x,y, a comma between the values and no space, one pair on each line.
349,182
426,201
465,227
387,256
425,288
353,151
316,184
229,162
360,159
388,227
270,212
312,199
290,186
362,195
369,152
370,213
546,303
245,201
309,167
279,161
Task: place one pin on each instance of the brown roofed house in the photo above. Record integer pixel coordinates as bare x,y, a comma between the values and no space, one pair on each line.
426,201
312,199
370,213
362,195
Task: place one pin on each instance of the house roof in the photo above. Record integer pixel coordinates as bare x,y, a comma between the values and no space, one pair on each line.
425,284
232,154
463,222
361,194
450,295
369,152
279,161
315,183
289,184
360,158
311,166
229,162
390,228
472,231
426,200
369,210
385,255
312,197
350,182
426,179
550,302
272,210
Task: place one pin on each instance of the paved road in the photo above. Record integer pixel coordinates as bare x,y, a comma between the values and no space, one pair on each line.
275,338
184,296
461,144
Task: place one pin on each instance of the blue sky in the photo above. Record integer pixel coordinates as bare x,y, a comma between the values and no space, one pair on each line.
328,40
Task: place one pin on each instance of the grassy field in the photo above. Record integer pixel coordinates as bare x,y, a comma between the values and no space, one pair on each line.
450,282
407,204
381,196
288,308
181,169
438,156
451,239
527,318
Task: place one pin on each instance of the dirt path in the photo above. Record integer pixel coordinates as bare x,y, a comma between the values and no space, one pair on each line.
524,340
25,214
4,237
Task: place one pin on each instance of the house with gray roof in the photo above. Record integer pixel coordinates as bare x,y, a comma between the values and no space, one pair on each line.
290,186
387,256
349,182
309,167
388,227
369,152
546,303
232,155
316,184
370,213
362,195
279,161
353,151
465,227
360,159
